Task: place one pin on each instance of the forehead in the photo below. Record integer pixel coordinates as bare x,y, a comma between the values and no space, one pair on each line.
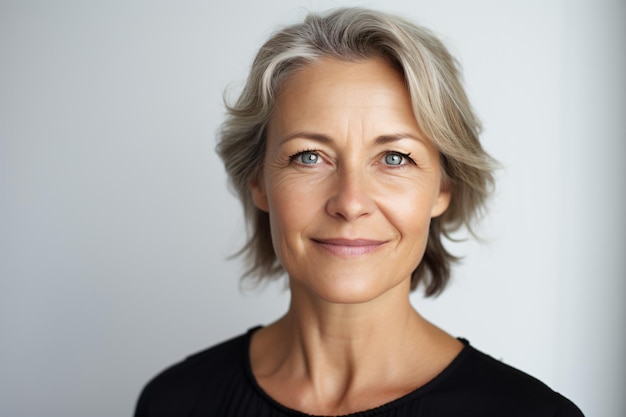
333,90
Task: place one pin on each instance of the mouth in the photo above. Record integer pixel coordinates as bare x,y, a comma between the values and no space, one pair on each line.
349,248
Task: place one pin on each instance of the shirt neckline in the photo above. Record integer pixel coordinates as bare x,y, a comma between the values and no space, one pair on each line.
381,409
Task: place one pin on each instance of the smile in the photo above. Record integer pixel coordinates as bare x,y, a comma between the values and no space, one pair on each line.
349,247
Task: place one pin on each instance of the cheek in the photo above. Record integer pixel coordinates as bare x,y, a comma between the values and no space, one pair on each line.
412,199
410,216
293,196
293,207
410,213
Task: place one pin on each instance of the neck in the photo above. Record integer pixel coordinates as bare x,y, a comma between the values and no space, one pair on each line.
311,320
328,358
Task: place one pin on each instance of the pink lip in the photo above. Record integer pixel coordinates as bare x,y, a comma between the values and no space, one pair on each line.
349,247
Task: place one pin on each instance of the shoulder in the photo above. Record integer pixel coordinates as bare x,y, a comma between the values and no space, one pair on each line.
183,384
494,388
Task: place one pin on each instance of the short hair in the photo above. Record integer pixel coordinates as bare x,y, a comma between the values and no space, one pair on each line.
440,105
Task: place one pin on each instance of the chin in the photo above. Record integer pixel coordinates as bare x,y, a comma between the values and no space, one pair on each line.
352,290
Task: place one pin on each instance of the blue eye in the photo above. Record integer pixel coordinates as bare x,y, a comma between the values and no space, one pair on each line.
306,157
394,159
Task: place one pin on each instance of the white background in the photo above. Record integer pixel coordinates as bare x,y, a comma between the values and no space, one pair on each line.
115,220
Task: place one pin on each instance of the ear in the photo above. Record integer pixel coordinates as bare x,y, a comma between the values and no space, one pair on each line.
259,195
441,202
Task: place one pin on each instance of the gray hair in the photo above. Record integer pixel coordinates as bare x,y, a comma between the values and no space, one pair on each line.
440,105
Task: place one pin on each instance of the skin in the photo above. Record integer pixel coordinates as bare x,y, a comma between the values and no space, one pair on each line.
350,184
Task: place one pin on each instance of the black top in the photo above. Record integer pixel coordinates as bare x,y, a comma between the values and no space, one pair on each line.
219,382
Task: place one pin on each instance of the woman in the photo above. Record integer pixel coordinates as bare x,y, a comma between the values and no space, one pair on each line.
354,150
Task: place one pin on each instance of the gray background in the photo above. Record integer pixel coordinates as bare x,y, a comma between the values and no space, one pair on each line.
115,220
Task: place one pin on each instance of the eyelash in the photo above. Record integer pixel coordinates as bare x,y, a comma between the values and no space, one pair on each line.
299,153
405,156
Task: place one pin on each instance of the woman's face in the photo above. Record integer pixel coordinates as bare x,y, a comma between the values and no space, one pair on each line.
349,181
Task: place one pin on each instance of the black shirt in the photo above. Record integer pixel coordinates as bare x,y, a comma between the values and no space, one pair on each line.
219,382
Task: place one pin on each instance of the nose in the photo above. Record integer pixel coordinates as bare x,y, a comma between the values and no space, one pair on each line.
351,197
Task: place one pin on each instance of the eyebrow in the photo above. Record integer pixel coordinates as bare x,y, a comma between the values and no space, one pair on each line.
380,140
317,137
384,139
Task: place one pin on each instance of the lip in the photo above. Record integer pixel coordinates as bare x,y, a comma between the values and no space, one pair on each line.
349,247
